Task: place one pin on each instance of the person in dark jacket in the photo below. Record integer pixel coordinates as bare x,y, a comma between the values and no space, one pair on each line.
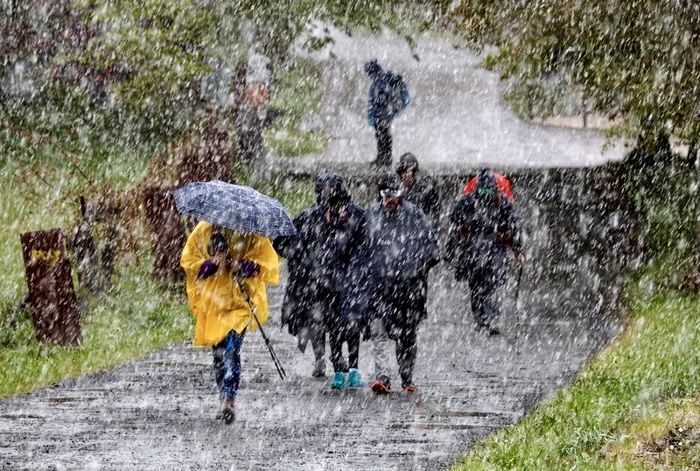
483,228
317,258
389,271
417,190
388,96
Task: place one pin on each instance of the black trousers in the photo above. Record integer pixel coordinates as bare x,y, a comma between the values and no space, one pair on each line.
406,351
328,307
382,131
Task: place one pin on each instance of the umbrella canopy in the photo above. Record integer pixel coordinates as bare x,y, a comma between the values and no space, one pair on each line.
235,207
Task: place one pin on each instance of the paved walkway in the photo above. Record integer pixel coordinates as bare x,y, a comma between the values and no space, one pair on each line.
157,414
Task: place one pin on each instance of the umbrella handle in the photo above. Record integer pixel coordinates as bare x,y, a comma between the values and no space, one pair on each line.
278,365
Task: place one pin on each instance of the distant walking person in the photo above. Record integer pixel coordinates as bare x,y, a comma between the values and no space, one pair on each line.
212,259
483,227
318,258
388,96
418,190
389,271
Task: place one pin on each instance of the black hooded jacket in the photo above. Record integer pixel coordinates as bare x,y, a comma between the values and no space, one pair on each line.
388,269
317,258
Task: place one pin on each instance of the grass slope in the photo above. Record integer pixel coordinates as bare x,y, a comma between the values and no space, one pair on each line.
634,407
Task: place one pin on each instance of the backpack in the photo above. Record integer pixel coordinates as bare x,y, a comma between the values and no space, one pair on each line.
397,94
504,186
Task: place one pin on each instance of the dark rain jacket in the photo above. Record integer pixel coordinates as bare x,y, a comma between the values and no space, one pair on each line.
389,268
424,195
317,258
388,96
481,232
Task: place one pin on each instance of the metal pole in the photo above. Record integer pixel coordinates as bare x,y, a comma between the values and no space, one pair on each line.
278,365
517,288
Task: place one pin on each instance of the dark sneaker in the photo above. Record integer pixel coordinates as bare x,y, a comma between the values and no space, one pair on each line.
228,414
319,369
494,331
378,387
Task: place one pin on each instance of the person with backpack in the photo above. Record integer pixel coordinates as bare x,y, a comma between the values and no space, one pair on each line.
502,183
317,258
387,281
483,228
388,96
418,190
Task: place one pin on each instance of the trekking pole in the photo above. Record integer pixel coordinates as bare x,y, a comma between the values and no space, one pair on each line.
278,365
517,287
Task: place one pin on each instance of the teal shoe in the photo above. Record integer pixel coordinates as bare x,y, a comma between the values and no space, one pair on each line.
355,379
338,380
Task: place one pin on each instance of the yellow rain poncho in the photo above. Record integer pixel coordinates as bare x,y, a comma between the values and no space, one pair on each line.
217,301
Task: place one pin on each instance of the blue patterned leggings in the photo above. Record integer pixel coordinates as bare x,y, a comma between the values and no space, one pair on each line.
227,364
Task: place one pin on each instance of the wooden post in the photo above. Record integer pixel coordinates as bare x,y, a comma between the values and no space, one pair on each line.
51,294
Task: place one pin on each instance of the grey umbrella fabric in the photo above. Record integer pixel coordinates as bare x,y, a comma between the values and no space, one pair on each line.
235,207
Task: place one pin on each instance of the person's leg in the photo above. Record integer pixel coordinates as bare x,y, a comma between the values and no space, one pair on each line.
336,331
492,302
479,290
381,346
317,334
227,371
384,141
232,365
406,350
335,340
218,351
353,339
336,337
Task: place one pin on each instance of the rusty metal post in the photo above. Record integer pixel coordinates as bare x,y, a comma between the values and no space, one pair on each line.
51,294
167,234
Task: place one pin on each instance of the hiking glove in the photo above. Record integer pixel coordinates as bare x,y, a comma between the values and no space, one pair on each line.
248,268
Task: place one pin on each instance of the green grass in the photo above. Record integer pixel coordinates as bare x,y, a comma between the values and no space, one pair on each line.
298,93
138,315
40,187
654,366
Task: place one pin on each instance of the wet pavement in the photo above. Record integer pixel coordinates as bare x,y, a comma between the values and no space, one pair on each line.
158,413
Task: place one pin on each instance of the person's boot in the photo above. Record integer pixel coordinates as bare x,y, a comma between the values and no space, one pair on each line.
228,414
319,368
355,379
338,380
382,385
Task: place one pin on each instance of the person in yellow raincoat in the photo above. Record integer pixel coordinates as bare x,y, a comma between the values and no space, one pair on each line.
222,312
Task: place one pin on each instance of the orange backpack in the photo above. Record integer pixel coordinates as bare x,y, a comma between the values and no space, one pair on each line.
502,182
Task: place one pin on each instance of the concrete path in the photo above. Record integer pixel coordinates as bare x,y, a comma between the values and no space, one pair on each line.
157,414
